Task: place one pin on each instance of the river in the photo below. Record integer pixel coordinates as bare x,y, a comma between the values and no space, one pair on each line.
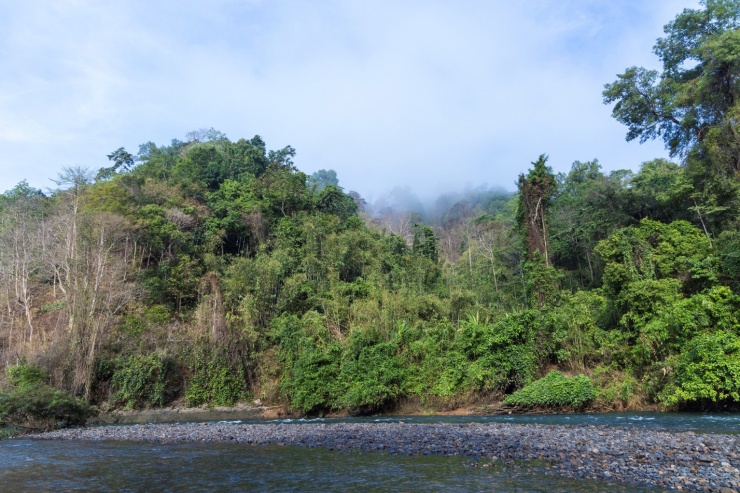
698,422
60,465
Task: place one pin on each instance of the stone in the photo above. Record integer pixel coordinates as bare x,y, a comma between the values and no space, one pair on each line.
664,459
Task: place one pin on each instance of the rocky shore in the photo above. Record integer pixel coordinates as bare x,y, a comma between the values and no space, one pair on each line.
681,461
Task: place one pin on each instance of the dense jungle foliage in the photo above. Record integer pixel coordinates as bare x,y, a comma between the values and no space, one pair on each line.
211,271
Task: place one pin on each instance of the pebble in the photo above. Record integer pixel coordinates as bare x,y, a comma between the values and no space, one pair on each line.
671,460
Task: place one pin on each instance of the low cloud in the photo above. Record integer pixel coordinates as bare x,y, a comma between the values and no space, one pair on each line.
426,95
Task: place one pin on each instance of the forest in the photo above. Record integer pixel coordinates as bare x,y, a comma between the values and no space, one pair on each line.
209,272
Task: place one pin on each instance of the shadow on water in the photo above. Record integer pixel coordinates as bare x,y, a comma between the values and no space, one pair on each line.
52,466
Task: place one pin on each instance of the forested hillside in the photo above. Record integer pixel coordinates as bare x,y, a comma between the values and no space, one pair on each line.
213,271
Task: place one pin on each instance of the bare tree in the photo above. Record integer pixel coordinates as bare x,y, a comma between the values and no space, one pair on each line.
94,288
21,221
89,254
400,223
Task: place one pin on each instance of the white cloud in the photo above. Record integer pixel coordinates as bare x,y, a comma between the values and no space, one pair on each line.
422,93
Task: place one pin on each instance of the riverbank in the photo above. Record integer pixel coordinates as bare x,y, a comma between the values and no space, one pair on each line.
175,414
190,414
687,461
243,411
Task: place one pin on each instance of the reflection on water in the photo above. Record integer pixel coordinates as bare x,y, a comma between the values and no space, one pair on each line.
53,466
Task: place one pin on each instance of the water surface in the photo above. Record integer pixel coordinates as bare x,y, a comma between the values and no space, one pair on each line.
699,422
60,465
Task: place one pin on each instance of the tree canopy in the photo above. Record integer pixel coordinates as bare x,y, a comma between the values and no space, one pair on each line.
212,271
692,104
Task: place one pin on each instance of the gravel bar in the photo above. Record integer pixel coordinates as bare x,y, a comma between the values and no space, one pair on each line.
672,460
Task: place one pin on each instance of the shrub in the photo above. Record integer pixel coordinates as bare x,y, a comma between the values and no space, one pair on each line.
616,388
313,383
577,335
311,363
42,407
34,405
554,390
213,379
707,373
141,381
25,375
504,354
373,378
215,384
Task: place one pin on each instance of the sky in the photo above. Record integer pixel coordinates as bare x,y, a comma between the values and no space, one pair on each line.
432,95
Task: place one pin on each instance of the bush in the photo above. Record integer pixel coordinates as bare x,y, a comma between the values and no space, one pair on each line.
142,381
707,373
577,335
25,375
311,363
313,383
216,385
504,354
616,388
554,390
41,407
34,405
213,379
373,378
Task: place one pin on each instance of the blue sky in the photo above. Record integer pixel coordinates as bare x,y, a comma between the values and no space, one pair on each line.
433,95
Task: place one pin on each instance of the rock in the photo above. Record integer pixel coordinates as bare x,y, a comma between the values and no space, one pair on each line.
648,457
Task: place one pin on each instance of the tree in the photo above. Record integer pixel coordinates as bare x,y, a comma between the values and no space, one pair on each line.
121,159
536,190
693,103
92,281
492,240
589,206
282,191
698,86
425,242
653,251
396,222
84,258
360,202
281,158
236,221
205,135
22,228
659,191
651,269
332,201
707,373
323,178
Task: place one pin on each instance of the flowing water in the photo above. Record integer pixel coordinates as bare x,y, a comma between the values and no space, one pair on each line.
699,422
56,466
59,466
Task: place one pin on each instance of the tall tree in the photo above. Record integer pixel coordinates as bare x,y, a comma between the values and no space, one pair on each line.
693,103
536,190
